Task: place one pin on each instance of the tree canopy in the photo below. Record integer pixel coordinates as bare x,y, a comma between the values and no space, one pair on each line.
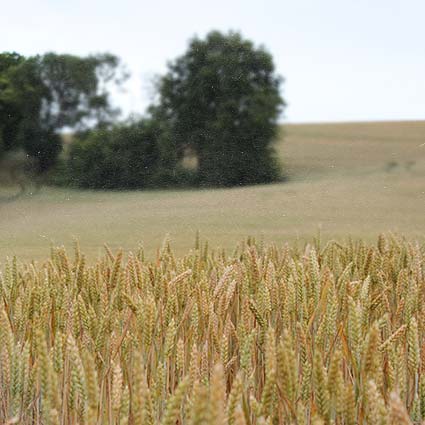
10,108
221,100
42,95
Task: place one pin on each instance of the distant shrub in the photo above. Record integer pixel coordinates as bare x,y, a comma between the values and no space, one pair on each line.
123,157
178,177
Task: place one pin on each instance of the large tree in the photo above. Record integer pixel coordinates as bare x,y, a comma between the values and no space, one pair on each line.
221,100
76,89
10,109
52,92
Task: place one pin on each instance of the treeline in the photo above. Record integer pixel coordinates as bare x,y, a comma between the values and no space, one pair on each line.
216,108
41,96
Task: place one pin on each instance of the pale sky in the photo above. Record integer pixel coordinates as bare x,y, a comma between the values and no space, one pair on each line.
343,60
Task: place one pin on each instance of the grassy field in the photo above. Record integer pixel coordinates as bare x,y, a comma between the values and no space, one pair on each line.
342,179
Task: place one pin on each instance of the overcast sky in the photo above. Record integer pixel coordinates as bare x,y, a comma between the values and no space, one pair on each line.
343,60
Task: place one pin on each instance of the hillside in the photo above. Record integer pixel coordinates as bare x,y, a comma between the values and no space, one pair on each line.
356,179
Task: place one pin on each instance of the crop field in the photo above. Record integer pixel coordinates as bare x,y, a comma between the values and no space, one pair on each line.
317,318
327,333
341,179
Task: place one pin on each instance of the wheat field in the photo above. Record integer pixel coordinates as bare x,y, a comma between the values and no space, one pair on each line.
358,179
327,333
283,328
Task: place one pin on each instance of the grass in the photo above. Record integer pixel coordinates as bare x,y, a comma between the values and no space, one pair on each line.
324,334
342,179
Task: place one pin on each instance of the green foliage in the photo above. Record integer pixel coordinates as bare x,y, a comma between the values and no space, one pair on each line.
221,99
42,144
220,102
76,89
41,95
126,156
10,105
132,155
